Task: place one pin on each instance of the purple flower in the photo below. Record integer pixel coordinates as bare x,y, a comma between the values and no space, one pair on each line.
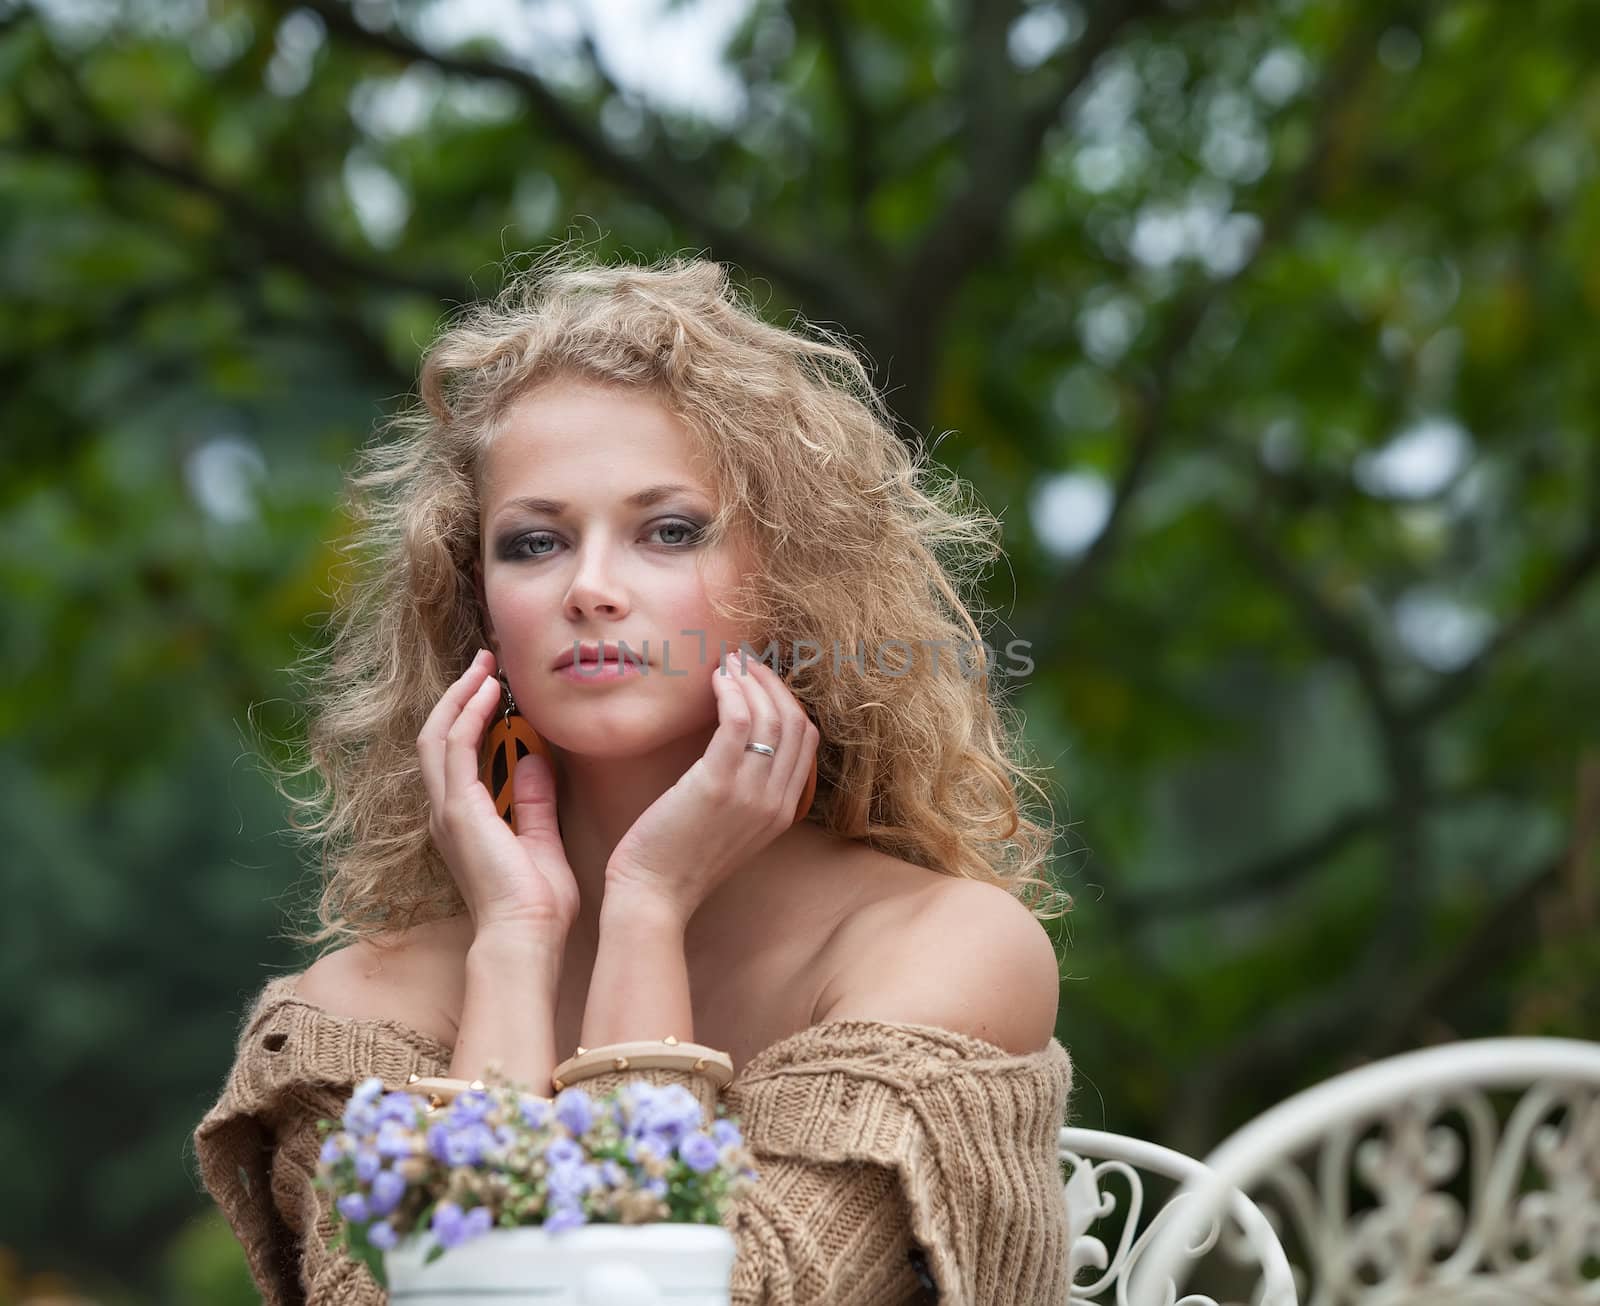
382,1235
335,1147
726,1133
353,1206
656,1186
400,1107
535,1111
680,1102
463,1145
612,1174
660,1141
474,1104
394,1139
360,1113
562,1151
452,1226
665,1115
469,1146
446,1226
699,1153
640,1094
566,1182
387,1190
564,1215
575,1109
360,1118
368,1163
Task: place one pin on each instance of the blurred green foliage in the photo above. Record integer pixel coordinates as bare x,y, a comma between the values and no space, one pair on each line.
1268,329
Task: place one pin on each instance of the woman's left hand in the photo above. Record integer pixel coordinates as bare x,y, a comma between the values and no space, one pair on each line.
729,805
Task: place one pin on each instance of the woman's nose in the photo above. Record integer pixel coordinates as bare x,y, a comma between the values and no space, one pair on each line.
596,589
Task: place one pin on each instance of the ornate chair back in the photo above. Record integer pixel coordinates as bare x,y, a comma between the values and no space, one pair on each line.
1467,1173
1107,1193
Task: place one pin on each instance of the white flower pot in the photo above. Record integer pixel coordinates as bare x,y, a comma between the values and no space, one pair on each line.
596,1265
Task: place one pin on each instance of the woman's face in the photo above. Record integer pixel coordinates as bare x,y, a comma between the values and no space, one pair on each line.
583,543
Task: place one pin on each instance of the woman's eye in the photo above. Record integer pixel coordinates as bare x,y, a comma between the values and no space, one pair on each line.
678,533
533,539
691,531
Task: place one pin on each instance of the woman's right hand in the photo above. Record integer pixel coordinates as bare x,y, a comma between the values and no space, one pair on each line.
522,879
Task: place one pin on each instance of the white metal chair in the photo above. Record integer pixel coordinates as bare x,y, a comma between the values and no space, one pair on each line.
1467,1173
1100,1273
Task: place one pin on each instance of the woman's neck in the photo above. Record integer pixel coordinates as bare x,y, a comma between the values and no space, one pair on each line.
599,799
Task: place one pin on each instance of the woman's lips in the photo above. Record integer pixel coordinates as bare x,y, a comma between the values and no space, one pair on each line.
599,672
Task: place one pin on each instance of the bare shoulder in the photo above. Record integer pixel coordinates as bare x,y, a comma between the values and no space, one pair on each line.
954,953
409,978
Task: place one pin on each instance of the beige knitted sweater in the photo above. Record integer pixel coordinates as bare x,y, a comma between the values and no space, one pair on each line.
890,1155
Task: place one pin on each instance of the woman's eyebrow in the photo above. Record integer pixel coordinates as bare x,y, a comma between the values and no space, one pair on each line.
651,494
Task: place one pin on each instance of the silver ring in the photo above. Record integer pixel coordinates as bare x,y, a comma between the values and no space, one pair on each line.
766,750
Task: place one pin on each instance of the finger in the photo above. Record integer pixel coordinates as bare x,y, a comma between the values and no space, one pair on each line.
764,776
465,738
430,739
810,737
789,723
806,738
765,725
725,753
450,703
533,804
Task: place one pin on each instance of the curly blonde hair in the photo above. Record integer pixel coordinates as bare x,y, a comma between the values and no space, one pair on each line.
857,542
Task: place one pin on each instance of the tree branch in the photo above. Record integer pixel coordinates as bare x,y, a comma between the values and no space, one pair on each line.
1280,870
860,128
591,50
670,194
1002,156
286,239
1500,932
1335,1014
1569,579
1149,423
1330,627
1276,872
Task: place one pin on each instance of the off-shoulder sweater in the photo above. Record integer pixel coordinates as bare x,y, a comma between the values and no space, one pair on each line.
898,1163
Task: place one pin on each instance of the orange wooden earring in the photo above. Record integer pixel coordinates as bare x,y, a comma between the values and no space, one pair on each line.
506,742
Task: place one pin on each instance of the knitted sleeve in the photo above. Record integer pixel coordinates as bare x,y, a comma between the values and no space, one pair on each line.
256,1148
898,1164
891,1157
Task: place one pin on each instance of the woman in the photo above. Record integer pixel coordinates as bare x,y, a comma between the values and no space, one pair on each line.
627,460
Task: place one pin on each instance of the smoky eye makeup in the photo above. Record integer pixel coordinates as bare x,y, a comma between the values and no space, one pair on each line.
525,544
540,541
